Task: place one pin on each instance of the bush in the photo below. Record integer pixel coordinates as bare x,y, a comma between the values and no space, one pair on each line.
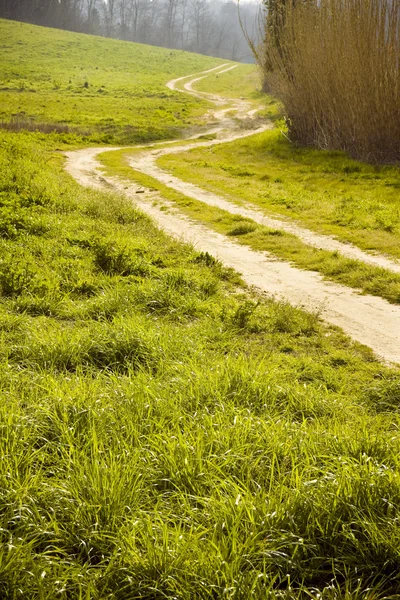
334,64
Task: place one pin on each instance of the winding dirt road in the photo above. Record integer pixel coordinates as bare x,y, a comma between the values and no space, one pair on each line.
367,319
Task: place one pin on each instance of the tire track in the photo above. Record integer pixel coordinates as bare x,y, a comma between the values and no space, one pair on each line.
367,319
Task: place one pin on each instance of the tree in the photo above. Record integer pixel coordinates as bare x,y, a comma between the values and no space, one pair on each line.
206,26
201,26
109,10
90,16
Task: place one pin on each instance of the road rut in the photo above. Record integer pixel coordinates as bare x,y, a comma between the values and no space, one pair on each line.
367,319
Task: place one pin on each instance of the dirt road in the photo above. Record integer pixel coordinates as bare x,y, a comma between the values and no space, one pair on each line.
367,319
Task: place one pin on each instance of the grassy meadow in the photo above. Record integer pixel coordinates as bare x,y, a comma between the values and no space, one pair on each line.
166,433
332,265
324,190
93,90
244,81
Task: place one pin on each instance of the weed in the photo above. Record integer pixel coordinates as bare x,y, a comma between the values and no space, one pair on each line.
242,315
385,395
115,258
242,228
206,258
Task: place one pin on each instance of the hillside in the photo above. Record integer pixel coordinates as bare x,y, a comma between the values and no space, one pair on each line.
167,430
107,90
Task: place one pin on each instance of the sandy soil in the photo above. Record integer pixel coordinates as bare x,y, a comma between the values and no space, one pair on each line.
367,319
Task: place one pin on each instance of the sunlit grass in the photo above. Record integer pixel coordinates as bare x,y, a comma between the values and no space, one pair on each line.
165,432
243,81
326,191
332,265
104,91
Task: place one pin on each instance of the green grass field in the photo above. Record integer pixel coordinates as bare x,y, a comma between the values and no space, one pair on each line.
242,81
165,432
331,264
326,191
105,91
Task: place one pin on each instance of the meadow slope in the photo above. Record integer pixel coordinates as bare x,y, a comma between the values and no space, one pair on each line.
166,432
351,240
92,89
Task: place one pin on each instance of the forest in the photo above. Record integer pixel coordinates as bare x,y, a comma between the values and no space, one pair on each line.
211,28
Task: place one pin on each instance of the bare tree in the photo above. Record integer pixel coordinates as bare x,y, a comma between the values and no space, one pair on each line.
148,24
109,11
207,26
89,15
201,25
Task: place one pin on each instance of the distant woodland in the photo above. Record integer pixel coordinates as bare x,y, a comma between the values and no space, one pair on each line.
209,27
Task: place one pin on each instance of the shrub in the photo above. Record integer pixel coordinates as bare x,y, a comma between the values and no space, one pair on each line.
334,64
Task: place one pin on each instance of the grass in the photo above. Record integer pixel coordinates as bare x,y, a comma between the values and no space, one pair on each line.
91,89
241,81
332,265
165,433
325,191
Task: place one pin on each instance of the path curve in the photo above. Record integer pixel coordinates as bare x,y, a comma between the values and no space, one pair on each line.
147,163
368,319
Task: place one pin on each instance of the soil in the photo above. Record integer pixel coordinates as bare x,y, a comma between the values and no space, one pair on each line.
367,319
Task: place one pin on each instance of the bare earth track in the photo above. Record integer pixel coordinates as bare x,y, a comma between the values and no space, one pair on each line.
367,319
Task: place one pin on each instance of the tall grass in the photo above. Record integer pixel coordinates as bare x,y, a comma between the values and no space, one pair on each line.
164,433
335,65
17,123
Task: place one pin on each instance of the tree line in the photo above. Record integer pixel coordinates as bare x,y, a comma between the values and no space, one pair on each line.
206,26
